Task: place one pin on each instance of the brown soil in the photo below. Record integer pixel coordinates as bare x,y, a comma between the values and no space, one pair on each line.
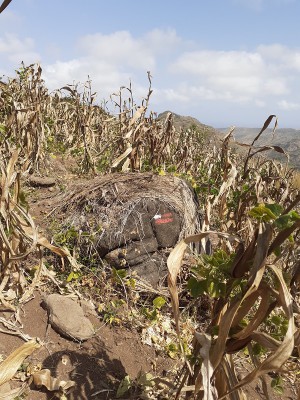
97,365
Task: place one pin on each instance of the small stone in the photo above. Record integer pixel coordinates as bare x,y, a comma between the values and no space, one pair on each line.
37,181
67,318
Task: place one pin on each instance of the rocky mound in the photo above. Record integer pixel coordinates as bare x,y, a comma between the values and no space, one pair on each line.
131,220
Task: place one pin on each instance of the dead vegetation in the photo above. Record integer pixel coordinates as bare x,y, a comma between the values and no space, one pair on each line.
250,203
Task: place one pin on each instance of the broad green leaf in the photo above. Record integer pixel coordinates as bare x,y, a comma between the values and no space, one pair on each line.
257,349
197,288
2,128
263,213
124,386
73,275
276,384
119,273
216,289
276,209
276,320
70,276
158,302
294,215
284,221
145,379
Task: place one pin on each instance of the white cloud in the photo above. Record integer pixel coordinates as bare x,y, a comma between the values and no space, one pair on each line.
231,74
221,62
260,103
123,50
112,60
118,48
17,50
162,41
10,20
281,56
288,105
258,79
105,77
161,95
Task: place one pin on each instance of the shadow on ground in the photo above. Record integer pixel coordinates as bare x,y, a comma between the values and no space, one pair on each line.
97,375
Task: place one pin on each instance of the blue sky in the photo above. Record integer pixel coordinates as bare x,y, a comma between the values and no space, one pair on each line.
225,62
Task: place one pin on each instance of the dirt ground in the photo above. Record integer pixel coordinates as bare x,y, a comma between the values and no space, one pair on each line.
99,364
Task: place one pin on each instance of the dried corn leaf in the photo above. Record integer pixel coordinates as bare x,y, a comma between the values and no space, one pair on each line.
227,184
14,394
258,317
118,160
283,235
43,241
278,149
241,264
265,340
227,316
125,166
265,126
44,378
141,110
4,4
10,365
277,358
231,380
206,367
246,307
260,246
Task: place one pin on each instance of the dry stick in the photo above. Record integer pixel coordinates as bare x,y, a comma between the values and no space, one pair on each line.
265,126
4,5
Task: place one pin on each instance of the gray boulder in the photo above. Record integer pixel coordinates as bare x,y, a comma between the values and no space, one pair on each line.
132,219
67,318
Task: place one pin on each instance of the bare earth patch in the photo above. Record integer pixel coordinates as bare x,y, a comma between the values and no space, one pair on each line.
96,365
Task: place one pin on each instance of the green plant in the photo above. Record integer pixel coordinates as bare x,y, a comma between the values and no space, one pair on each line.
154,313
111,311
143,385
212,275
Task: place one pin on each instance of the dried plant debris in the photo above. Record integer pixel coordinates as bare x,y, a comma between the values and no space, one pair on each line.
52,384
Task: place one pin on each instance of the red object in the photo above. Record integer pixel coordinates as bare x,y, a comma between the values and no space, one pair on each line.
164,219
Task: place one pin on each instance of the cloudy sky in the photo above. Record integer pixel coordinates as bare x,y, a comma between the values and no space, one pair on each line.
225,62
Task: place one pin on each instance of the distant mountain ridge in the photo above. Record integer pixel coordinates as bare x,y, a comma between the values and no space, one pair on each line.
186,122
288,139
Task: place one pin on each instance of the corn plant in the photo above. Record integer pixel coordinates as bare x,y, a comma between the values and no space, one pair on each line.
252,275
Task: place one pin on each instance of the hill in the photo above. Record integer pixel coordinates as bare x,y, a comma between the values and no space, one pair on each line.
186,122
288,139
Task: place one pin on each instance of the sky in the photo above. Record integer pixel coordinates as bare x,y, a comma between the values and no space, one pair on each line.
224,62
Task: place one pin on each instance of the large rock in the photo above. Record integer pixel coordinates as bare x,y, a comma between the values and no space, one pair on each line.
67,318
134,219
